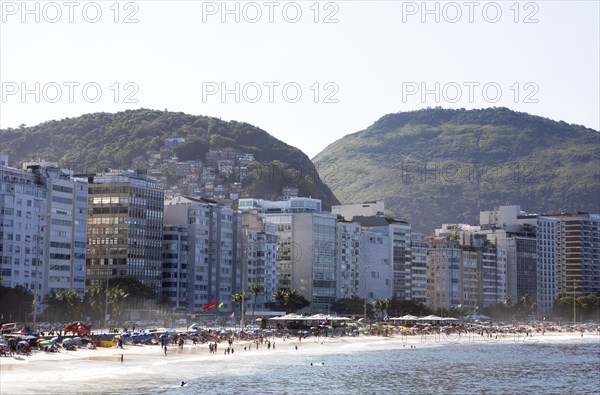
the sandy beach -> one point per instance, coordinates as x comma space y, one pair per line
146, 366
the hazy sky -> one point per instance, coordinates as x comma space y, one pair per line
306, 72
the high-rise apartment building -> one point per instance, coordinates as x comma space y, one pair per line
349, 246
307, 255
375, 268
444, 274
418, 250
214, 262
43, 212
175, 262
23, 230
259, 260
568, 257
125, 228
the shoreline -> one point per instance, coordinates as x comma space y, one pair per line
146, 366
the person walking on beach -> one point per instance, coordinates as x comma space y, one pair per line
121, 358
165, 350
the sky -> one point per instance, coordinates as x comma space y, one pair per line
307, 72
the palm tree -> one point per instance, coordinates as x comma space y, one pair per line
94, 301
281, 296
380, 305
239, 297
73, 303
291, 299
255, 289
116, 297
55, 309
64, 305
525, 301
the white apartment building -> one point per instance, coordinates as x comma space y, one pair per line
306, 253
259, 255
375, 268
43, 218
214, 258
23, 231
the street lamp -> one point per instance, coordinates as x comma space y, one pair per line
574, 304
365, 294
106, 290
40, 216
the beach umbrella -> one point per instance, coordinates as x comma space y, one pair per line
41, 340
67, 341
54, 339
77, 339
163, 336
194, 335
183, 334
22, 343
46, 343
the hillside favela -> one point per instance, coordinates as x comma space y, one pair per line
436, 251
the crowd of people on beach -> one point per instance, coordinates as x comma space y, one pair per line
254, 338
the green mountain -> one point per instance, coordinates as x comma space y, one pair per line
437, 166
94, 141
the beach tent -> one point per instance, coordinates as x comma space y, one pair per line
431, 318
79, 328
289, 317
436, 318
8, 327
407, 317
26, 330
480, 317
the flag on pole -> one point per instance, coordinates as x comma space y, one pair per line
221, 304
209, 306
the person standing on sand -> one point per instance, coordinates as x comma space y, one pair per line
121, 358
165, 350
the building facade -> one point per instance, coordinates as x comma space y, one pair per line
125, 229
259, 254
307, 255
214, 259
175, 261
418, 250
23, 231
568, 257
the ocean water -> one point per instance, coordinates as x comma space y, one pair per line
528, 367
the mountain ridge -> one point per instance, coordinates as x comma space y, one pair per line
90, 142
443, 166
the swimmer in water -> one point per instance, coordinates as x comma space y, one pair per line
183, 383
